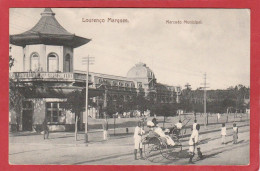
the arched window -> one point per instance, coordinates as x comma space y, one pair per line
53, 62
109, 98
122, 97
67, 63
35, 61
115, 97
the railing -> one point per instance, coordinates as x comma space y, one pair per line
49, 75
62, 76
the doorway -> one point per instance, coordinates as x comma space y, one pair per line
27, 116
27, 120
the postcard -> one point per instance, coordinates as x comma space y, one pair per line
162, 86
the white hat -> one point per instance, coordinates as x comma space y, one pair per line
150, 123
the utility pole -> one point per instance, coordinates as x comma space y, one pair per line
205, 97
188, 97
178, 93
86, 61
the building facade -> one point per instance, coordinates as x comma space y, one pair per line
48, 76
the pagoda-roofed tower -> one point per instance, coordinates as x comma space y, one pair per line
48, 58
48, 75
48, 47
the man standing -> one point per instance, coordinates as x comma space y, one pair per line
45, 129
105, 128
138, 140
235, 133
193, 142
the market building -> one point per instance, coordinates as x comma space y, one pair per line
48, 76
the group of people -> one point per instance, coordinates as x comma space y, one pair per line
156, 130
193, 140
224, 133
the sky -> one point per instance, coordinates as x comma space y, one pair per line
177, 53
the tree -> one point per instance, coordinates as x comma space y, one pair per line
15, 100
75, 103
15, 95
164, 109
11, 59
11, 62
110, 108
186, 103
120, 105
141, 103
240, 97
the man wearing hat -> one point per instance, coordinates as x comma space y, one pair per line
138, 140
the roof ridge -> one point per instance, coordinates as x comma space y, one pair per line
48, 11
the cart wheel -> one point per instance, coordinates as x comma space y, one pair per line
152, 149
173, 152
178, 144
164, 149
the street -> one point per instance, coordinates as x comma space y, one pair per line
61, 148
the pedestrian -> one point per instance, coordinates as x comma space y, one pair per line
45, 129
235, 133
218, 115
179, 127
193, 143
223, 133
105, 128
138, 140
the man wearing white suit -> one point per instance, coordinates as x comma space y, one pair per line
138, 140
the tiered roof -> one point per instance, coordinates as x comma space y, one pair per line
48, 31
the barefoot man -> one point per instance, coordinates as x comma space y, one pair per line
137, 140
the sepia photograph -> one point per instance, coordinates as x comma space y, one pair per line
129, 86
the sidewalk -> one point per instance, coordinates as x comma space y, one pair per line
68, 138
96, 136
